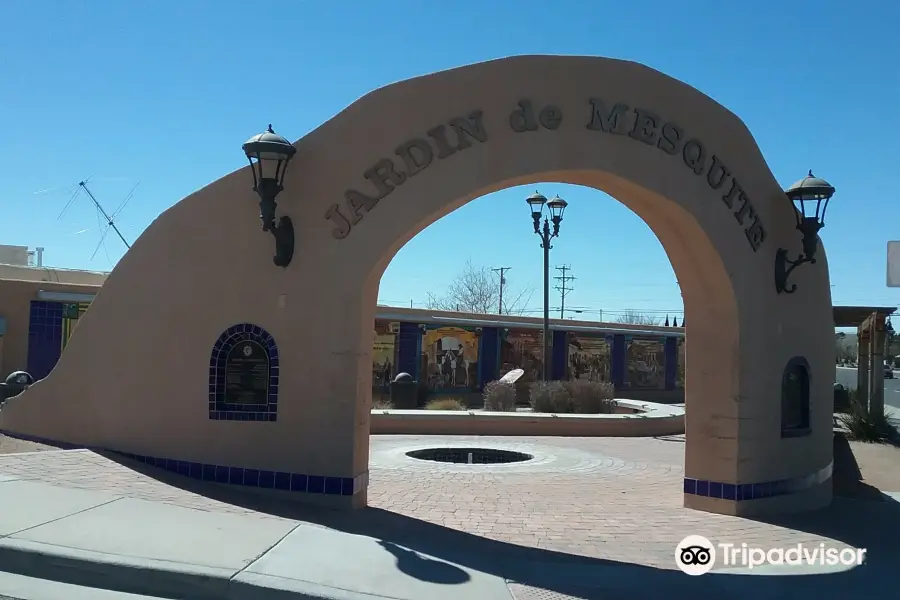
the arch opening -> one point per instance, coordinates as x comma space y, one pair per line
710, 302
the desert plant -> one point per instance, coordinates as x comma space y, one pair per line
549, 397
842, 398
591, 397
500, 396
863, 427
446, 403
382, 402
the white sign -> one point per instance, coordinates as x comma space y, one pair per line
893, 264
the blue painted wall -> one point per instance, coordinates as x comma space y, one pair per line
617, 361
45, 328
488, 356
671, 362
559, 355
409, 348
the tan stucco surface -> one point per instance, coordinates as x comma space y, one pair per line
144, 390
52, 275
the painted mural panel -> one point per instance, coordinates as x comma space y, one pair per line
384, 350
679, 373
450, 358
522, 349
590, 358
646, 362
72, 314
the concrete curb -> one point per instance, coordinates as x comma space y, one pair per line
146, 577
649, 419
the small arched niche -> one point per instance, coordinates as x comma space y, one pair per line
795, 420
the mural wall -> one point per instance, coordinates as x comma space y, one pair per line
679, 374
590, 358
71, 315
450, 359
646, 360
522, 349
384, 358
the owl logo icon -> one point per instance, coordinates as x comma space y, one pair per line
695, 555
247, 350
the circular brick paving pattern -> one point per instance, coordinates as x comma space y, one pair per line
612, 498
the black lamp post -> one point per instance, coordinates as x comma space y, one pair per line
272, 153
557, 207
802, 194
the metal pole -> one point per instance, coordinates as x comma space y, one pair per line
545, 238
105, 216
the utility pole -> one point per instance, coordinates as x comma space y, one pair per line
501, 271
563, 288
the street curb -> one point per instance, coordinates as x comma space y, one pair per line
145, 577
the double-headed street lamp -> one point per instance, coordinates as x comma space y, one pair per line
556, 208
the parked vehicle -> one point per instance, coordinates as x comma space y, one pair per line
888, 371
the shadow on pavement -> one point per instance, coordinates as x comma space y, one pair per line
860, 524
423, 568
847, 477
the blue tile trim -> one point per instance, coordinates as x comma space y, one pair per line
258, 478
289, 482
756, 491
218, 409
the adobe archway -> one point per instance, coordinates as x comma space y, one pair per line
367, 181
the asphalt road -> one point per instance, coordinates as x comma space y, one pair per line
847, 377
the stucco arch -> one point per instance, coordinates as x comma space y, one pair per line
145, 392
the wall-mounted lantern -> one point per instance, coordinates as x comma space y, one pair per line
269, 155
801, 196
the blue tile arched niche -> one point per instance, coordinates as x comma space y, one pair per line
221, 410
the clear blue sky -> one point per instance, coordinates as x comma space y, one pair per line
163, 93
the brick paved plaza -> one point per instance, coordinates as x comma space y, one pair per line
609, 498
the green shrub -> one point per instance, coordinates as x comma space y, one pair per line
549, 397
863, 427
591, 397
446, 403
500, 396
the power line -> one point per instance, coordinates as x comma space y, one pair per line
563, 288
502, 271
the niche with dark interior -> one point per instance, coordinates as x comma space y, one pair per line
795, 398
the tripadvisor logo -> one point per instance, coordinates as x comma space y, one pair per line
696, 555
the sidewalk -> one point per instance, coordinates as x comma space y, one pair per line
126, 544
113, 540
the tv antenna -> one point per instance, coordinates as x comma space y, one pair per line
109, 218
